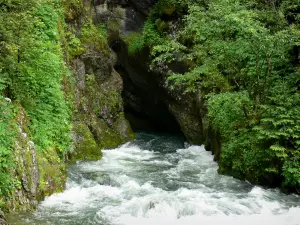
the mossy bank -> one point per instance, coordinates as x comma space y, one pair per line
60, 97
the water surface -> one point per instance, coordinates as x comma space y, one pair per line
157, 180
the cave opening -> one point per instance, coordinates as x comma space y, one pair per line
145, 103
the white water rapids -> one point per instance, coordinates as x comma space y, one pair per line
157, 181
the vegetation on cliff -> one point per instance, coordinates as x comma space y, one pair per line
243, 59
32, 71
49, 50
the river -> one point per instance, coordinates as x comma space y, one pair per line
159, 180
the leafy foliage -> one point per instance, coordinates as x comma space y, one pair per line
7, 133
92, 35
243, 57
32, 71
228, 110
135, 43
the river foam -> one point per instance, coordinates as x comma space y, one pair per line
137, 185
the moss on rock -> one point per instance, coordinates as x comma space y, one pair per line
52, 173
98, 119
37, 174
72, 9
123, 127
85, 146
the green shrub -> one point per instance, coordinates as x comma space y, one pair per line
243, 57
8, 132
94, 35
135, 43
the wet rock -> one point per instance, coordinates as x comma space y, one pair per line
85, 146
151, 205
148, 98
98, 119
98, 122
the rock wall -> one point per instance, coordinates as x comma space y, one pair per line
135, 12
36, 174
146, 95
99, 121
